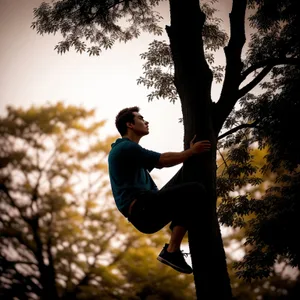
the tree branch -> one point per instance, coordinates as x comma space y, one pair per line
10, 234
233, 130
224, 161
24, 280
254, 82
15, 262
269, 62
4, 188
92, 18
116, 3
234, 63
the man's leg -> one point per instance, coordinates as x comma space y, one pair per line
178, 232
177, 204
181, 202
177, 236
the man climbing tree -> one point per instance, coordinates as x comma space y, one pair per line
136, 194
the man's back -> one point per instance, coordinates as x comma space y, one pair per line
129, 167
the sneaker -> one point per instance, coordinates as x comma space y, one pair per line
174, 260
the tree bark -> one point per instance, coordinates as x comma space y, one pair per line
234, 66
47, 273
193, 79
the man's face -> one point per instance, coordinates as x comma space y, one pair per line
140, 126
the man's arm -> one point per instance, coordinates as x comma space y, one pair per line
170, 159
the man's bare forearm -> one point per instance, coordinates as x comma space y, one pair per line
170, 159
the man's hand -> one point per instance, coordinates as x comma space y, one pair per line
199, 147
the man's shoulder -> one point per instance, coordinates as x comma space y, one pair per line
123, 148
125, 144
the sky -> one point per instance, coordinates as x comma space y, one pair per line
32, 72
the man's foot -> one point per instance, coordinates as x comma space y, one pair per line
174, 260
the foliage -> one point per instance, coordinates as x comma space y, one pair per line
238, 207
276, 36
95, 25
159, 66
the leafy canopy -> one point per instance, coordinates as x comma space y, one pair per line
91, 26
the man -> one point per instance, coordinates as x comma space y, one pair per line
136, 195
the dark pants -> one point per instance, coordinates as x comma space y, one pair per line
176, 202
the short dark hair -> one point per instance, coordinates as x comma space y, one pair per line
124, 116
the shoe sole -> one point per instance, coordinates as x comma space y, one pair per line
166, 262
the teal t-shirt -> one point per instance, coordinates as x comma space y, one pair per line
129, 165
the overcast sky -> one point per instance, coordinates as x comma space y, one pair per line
33, 73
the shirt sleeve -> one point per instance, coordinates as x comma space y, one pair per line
142, 157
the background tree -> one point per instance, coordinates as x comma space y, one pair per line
192, 31
61, 237
45, 239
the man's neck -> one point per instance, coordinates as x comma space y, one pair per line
132, 137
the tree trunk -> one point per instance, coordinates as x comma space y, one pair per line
49, 291
47, 273
193, 80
